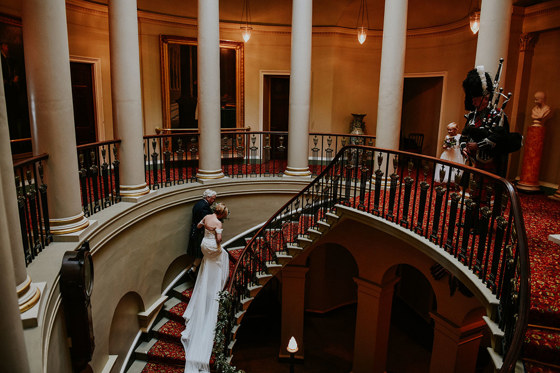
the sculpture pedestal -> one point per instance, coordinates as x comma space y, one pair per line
534, 141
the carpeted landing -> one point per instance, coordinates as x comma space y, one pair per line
161, 349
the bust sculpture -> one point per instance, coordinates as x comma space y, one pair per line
541, 111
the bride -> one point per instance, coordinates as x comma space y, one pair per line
202, 312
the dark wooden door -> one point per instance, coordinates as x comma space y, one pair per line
277, 101
84, 104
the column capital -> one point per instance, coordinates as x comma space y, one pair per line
527, 41
372, 288
446, 327
293, 271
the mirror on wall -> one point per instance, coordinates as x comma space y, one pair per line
179, 83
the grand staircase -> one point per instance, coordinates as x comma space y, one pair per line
480, 225
160, 349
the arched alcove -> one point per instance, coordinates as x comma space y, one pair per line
173, 270
411, 331
124, 326
330, 278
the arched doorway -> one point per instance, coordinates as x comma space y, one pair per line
411, 331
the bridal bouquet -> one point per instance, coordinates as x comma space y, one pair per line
449, 142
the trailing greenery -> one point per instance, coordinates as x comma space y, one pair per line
223, 327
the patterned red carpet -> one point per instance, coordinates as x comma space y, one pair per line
542, 340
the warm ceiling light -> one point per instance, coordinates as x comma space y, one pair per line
475, 21
246, 33
246, 19
292, 346
362, 27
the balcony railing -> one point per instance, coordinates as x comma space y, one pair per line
98, 166
32, 206
172, 158
473, 216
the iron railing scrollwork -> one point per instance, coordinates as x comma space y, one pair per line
473, 215
171, 158
32, 206
98, 170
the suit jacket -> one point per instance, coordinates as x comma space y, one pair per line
199, 211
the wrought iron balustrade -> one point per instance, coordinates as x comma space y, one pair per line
172, 158
98, 168
32, 206
472, 215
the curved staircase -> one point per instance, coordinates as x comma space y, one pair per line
480, 226
160, 349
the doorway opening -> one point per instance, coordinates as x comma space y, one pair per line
83, 98
420, 118
276, 103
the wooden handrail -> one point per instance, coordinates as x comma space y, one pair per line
160, 130
98, 143
25, 162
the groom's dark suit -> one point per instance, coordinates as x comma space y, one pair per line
199, 211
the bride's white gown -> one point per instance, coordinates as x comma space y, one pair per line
202, 312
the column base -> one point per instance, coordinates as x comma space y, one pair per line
28, 295
134, 190
209, 174
528, 187
68, 225
297, 172
30, 317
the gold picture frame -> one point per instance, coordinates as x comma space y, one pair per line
179, 83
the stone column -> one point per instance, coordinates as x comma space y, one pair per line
49, 89
455, 348
27, 292
14, 281
127, 96
493, 36
300, 89
391, 77
209, 119
373, 319
293, 302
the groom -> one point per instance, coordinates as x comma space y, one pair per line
199, 211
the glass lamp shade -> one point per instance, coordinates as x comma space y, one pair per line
246, 32
362, 34
475, 22
292, 346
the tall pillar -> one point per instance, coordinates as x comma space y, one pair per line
127, 96
373, 319
391, 77
28, 293
293, 303
493, 36
12, 266
49, 89
209, 119
455, 348
300, 89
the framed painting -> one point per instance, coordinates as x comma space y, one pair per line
179, 83
15, 88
